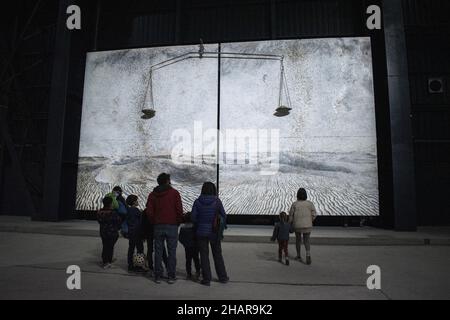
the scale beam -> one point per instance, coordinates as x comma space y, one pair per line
281, 111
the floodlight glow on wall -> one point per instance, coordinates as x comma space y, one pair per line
149, 111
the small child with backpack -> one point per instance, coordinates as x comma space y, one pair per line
188, 239
119, 205
281, 233
110, 222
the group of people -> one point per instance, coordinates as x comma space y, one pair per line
201, 229
159, 225
300, 221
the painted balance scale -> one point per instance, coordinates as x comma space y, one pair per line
149, 111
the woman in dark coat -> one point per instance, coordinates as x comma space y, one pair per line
204, 212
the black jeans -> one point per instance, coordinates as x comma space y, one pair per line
108, 248
192, 254
219, 264
134, 242
150, 249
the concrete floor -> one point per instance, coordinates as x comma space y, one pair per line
32, 266
366, 236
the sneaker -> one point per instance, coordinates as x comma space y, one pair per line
157, 280
139, 270
287, 262
226, 280
107, 266
308, 260
171, 280
205, 283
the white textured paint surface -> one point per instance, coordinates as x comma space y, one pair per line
331, 88
116, 88
328, 142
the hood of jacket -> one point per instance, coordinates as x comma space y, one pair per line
161, 191
207, 200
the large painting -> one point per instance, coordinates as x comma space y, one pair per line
119, 147
291, 113
326, 143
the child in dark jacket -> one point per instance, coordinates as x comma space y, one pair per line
134, 217
110, 222
281, 233
188, 239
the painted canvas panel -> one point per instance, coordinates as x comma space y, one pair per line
293, 113
118, 147
326, 143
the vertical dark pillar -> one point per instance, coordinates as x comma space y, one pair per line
57, 109
177, 37
2, 155
219, 75
405, 216
19, 179
97, 23
273, 19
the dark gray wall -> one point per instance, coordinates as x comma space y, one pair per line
27, 30
149, 23
427, 28
400, 117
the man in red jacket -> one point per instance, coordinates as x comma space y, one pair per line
165, 212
